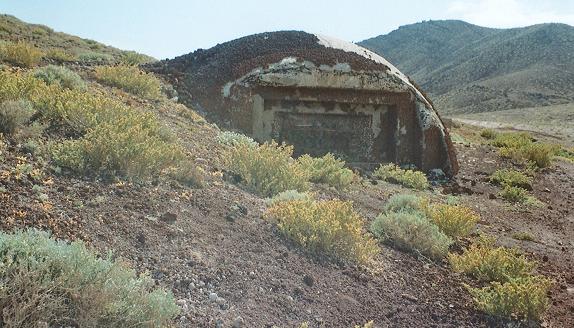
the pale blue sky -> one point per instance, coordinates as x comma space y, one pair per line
170, 28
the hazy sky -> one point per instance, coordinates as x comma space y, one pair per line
173, 27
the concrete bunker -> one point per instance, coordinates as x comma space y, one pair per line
317, 93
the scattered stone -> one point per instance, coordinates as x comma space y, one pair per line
236, 211
308, 280
238, 322
491, 196
168, 217
212, 297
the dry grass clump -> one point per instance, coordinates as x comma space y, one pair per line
134, 58
20, 53
14, 115
488, 134
130, 79
408, 178
328, 170
267, 169
330, 227
60, 56
53, 283
289, 195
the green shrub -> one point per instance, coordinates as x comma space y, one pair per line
52, 283
408, 178
231, 138
133, 58
520, 298
404, 203
411, 231
20, 54
488, 134
453, 220
521, 147
485, 262
289, 195
14, 115
130, 79
523, 236
60, 75
328, 170
123, 148
90, 57
326, 227
267, 169
515, 194
509, 177
60, 56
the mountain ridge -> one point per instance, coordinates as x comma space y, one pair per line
468, 68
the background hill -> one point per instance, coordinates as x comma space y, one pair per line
469, 69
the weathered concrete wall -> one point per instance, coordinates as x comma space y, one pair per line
315, 92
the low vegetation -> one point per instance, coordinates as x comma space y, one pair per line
404, 203
510, 177
513, 290
485, 262
328, 170
515, 194
53, 283
14, 115
408, 178
488, 134
330, 228
135, 58
267, 169
60, 56
455, 221
411, 231
60, 75
20, 53
523, 147
130, 79
520, 298
289, 195
114, 139
230, 138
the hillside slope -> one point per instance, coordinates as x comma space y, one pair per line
468, 68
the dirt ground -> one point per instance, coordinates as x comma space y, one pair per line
227, 265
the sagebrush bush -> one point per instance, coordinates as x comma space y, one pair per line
231, 138
512, 139
485, 262
328, 170
408, 178
510, 177
120, 148
453, 220
52, 283
14, 115
488, 134
267, 169
519, 298
20, 53
411, 231
288, 196
515, 194
404, 202
60, 75
130, 79
328, 227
